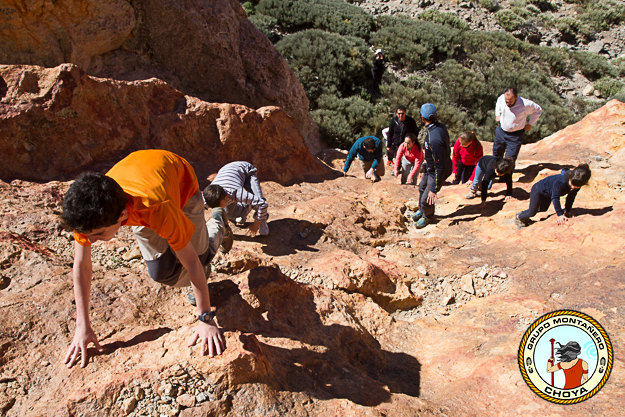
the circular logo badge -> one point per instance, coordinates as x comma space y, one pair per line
565, 357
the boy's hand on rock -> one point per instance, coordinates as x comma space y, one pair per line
561, 219
82, 339
211, 340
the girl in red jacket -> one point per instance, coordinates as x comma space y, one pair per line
467, 151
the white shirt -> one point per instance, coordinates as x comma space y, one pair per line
514, 118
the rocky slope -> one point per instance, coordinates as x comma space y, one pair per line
345, 309
58, 121
207, 50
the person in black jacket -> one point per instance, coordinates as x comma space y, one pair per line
550, 189
488, 169
377, 70
437, 165
397, 129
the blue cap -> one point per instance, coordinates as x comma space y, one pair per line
428, 110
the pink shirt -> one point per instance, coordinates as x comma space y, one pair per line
414, 156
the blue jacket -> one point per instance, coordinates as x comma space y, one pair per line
359, 150
437, 154
554, 187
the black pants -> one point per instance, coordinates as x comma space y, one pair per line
538, 202
427, 184
463, 173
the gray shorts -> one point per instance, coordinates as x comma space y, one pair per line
162, 263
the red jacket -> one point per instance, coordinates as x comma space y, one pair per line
469, 155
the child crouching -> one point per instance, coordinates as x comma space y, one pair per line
544, 192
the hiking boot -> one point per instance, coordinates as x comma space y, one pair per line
472, 194
263, 230
417, 215
423, 221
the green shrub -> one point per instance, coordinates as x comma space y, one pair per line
267, 25
593, 66
609, 87
544, 5
329, 15
326, 63
509, 20
490, 5
619, 65
449, 19
602, 14
414, 44
570, 28
248, 7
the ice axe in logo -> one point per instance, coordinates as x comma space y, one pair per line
552, 359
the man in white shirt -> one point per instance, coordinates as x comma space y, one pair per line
512, 113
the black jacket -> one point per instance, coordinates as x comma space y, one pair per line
397, 133
437, 153
487, 165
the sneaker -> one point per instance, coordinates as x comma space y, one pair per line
423, 221
240, 220
388, 163
263, 230
392, 173
472, 194
417, 215
519, 223
375, 178
191, 298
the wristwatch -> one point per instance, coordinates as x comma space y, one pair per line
206, 317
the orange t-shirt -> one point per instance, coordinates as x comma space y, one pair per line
157, 184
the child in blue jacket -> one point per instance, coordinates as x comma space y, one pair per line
544, 192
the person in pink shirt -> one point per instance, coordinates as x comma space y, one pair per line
409, 157
467, 152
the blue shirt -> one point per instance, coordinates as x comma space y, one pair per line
358, 149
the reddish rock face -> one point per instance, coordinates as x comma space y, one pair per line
345, 309
205, 49
60, 121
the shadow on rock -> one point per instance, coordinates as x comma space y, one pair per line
287, 237
531, 171
338, 360
580, 211
146, 336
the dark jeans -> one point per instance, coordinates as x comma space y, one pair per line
463, 173
391, 152
427, 184
538, 202
507, 142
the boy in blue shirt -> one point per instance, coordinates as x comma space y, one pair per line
550, 189
369, 152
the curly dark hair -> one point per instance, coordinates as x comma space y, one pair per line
213, 194
92, 201
580, 175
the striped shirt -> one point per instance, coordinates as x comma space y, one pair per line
240, 182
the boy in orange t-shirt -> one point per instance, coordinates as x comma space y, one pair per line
157, 193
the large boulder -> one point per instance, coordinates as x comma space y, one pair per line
55, 122
206, 49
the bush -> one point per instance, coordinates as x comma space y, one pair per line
593, 66
414, 44
330, 15
508, 20
449, 19
267, 25
490, 5
544, 5
248, 7
609, 87
326, 63
602, 14
570, 28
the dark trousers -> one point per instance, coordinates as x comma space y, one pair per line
507, 142
538, 202
427, 184
391, 152
463, 173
